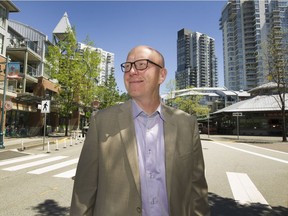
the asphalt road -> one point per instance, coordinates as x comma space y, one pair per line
243, 179
28, 189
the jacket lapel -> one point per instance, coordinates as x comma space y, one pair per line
127, 132
170, 131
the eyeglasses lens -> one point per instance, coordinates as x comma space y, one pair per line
139, 65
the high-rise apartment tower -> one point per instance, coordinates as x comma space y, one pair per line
245, 26
196, 60
106, 66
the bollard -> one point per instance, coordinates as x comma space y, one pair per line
48, 147
57, 146
65, 144
70, 141
22, 145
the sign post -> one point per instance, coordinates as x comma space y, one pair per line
237, 114
208, 124
45, 108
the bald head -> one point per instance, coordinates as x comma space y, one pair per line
152, 50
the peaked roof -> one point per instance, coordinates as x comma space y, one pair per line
63, 24
61, 28
269, 85
255, 104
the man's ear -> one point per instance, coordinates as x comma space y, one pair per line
162, 74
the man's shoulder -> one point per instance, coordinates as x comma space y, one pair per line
120, 107
174, 111
175, 115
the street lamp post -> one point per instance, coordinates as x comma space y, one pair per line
3, 106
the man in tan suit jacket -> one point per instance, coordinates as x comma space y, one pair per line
107, 181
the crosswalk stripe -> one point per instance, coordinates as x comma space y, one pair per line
35, 163
243, 189
21, 159
68, 174
54, 167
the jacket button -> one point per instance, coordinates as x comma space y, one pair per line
138, 209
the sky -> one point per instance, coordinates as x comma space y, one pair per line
118, 26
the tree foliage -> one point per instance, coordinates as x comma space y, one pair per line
76, 72
90, 69
124, 97
190, 104
108, 94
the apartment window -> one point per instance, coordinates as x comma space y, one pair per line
3, 16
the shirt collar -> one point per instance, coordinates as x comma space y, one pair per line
137, 110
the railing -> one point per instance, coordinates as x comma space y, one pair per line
20, 43
32, 71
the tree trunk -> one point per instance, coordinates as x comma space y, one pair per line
66, 125
284, 135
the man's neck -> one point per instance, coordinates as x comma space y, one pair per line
148, 106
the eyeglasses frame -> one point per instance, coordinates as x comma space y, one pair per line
133, 63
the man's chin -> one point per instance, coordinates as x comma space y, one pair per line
134, 94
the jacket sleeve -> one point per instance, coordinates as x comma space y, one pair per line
199, 184
185, 165
85, 182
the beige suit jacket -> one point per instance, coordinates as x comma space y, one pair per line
107, 181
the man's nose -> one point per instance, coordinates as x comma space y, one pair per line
133, 69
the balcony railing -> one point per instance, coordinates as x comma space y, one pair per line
20, 43
32, 71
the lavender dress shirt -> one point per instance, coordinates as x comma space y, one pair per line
151, 156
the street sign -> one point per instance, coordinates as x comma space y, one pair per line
237, 114
45, 106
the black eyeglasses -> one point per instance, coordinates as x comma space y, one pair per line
140, 64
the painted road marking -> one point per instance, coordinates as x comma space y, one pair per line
253, 153
68, 174
54, 167
35, 163
243, 189
263, 148
21, 159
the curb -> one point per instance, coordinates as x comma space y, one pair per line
34, 144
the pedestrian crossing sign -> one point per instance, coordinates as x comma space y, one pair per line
45, 106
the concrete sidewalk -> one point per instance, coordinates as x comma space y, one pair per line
30, 142
261, 141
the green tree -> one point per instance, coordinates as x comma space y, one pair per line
275, 56
76, 72
108, 93
191, 105
89, 67
124, 97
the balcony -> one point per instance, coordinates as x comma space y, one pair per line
17, 49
